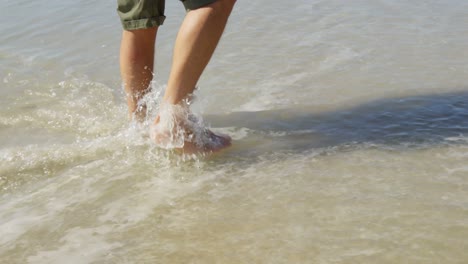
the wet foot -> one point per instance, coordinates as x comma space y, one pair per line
211, 143
181, 131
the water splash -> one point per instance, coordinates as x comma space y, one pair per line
177, 126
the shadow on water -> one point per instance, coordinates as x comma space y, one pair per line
417, 121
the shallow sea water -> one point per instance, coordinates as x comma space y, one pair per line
350, 128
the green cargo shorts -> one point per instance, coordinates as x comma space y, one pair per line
139, 14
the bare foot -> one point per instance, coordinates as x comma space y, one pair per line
176, 128
211, 143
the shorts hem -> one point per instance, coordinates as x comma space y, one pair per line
143, 23
194, 4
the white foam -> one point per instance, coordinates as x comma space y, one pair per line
79, 245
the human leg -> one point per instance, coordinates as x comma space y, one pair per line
136, 66
140, 20
196, 41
